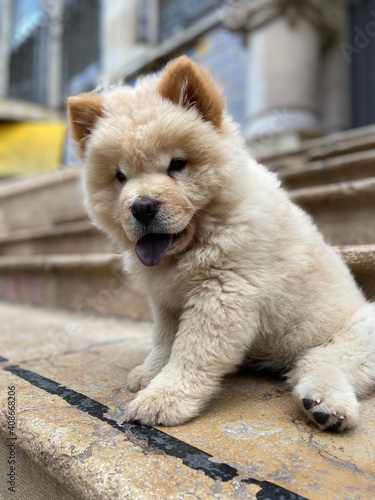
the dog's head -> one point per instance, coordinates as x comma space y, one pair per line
154, 157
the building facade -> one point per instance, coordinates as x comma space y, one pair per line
290, 69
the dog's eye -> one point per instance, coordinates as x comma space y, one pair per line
176, 165
120, 176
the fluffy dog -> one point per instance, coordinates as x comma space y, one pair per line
234, 270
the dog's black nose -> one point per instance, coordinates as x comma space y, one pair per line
144, 210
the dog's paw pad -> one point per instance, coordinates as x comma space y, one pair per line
335, 427
327, 420
320, 417
331, 408
309, 403
331, 415
334, 414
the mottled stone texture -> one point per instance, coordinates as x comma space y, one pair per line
73, 438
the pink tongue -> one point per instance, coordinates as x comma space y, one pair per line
152, 248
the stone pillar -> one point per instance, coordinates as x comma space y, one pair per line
54, 10
5, 32
335, 72
119, 38
284, 40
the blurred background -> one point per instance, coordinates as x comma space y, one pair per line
298, 76
290, 69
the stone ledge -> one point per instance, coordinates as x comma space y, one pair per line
250, 442
34, 182
65, 238
96, 282
99, 262
355, 144
351, 189
20, 110
67, 228
359, 257
338, 143
93, 283
361, 260
353, 255
342, 142
41, 202
352, 166
343, 212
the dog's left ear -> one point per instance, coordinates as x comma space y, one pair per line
83, 112
185, 83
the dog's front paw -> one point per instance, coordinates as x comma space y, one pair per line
139, 378
161, 406
330, 408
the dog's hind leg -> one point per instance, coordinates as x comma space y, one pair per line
328, 380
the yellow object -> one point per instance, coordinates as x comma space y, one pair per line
30, 146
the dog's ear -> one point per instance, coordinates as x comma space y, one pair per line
83, 111
185, 83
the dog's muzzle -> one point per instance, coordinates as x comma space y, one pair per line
144, 210
154, 243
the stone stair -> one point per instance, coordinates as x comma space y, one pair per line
64, 238
322, 148
343, 168
68, 358
51, 254
67, 373
333, 179
94, 283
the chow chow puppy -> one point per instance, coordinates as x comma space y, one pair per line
234, 270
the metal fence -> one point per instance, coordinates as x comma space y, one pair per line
175, 15
29, 64
31, 42
81, 45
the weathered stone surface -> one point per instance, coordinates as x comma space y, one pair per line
41, 202
353, 166
68, 238
93, 283
32, 481
318, 148
98, 285
361, 260
70, 401
344, 212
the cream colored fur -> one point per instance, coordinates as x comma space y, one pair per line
250, 277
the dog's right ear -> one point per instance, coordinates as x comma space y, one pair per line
83, 112
186, 84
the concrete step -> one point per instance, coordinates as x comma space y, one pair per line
66, 238
68, 374
361, 260
335, 144
353, 166
96, 283
41, 202
341, 143
344, 212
